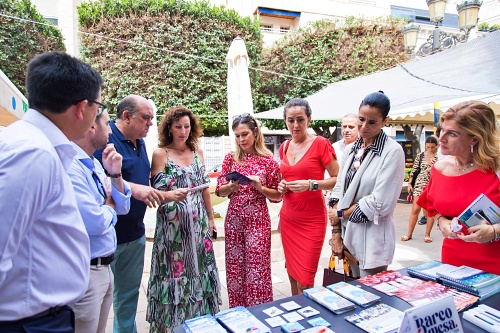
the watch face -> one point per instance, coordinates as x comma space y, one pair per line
315, 186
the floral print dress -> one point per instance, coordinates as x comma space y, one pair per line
184, 281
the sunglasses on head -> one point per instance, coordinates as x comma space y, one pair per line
243, 115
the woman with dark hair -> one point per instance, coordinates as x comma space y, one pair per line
424, 162
303, 216
471, 140
247, 226
184, 280
370, 182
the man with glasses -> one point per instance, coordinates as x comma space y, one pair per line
133, 118
44, 247
99, 201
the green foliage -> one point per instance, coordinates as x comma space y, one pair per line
166, 74
407, 173
326, 52
21, 40
486, 27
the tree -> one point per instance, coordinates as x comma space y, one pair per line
21, 40
327, 52
162, 49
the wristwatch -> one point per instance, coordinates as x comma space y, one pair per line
315, 185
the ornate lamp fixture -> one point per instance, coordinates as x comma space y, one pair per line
440, 40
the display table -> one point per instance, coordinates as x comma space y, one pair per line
339, 324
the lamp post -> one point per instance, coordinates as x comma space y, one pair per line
440, 40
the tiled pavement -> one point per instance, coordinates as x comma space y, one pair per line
407, 253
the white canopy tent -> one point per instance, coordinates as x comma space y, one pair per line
469, 70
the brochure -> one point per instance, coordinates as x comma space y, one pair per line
318, 321
486, 208
329, 299
235, 175
240, 320
203, 324
428, 270
355, 294
485, 317
380, 318
317, 329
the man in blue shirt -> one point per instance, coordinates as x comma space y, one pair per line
44, 247
99, 202
133, 118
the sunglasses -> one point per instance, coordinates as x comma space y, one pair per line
101, 107
243, 115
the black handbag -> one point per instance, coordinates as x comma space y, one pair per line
330, 276
417, 171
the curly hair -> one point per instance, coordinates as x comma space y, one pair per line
173, 114
478, 120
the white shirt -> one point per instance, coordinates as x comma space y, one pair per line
44, 247
339, 147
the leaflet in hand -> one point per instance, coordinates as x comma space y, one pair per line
235, 175
480, 211
200, 187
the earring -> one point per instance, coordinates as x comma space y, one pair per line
169, 134
472, 148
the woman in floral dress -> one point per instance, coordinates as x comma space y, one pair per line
184, 280
248, 225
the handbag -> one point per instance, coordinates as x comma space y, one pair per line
417, 171
409, 198
330, 276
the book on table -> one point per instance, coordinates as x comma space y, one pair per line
481, 211
472, 280
240, 320
380, 318
355, 294
203, 324
330, 300
428, 270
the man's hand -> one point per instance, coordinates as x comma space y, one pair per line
111, 159
148, 195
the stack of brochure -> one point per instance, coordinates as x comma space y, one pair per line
471, 280
203, 324
329, 299
485, 317
240, 320
354, 294
480, 211
428, 270
380, 318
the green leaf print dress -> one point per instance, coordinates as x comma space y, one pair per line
184, 281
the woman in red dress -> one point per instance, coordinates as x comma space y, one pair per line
247, 225
471, 139
303, 216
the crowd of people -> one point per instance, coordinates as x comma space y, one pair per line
73, 244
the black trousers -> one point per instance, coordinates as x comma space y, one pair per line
59, 319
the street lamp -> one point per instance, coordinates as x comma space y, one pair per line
440, 40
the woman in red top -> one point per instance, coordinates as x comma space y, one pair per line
471, 139
247, 225
303, 217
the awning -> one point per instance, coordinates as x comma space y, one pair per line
263, 11
468, 70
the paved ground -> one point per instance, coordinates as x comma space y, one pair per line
407, 253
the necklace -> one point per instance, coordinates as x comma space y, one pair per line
467, 166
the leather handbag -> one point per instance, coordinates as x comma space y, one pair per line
330, 276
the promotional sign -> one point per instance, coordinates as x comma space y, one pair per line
441, 316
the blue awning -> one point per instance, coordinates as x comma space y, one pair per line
277, 13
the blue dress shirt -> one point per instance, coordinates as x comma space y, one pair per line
99, 219
44, 247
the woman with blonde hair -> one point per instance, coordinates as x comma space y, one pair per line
247, 225
471, 140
